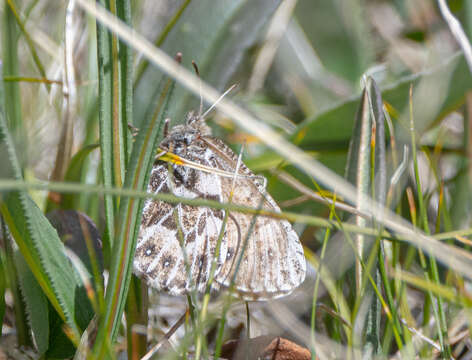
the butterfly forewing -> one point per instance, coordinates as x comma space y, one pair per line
262, 255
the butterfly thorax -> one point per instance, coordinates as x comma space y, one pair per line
182, 137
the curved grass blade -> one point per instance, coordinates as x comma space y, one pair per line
38, 242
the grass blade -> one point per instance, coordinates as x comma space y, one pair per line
36, 304
39, 243
107, 124
138, 171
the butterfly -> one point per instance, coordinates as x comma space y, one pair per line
262, 255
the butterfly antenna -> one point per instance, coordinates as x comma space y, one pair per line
200, 83
231, 88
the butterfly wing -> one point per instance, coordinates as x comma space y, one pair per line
261, 255
264, 256
160, 258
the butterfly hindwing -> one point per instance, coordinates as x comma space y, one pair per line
273, 263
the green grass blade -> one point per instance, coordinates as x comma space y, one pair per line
36, 304
39, 243
10, 68
358, 170
19, 308
125, 58
432, 272
29, 41
106, 121
137, 177
3, 286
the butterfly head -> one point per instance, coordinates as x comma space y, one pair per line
182, 136
197, 122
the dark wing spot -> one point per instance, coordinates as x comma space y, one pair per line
155, 213
164, 188
146, 251
192, 179
189, 216
229, 253
157, 178
191, 237
170, 223
212, 197
167, 261
202, 261
218, 213
180, 284
179, 175
202, 223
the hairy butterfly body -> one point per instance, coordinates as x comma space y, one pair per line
271, 263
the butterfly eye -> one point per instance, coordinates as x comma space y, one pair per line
188, 140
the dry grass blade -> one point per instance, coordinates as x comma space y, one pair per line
453, 257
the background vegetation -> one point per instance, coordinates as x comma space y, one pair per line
377, 92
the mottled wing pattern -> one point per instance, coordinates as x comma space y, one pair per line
160, 258
272, 263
